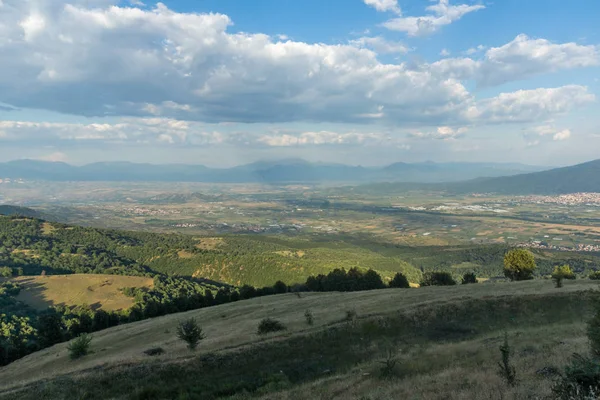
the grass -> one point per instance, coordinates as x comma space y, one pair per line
101, 291
449, 338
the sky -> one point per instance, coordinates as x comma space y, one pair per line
360, 82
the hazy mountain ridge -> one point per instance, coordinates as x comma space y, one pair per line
291, 170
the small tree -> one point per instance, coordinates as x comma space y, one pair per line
6, 272
595, 275
190, 332
80, 346
507, 370
399, 281
560, 273
469, 278
438, 279
519, 265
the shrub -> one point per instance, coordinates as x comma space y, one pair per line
507, 370
309, 317
80, 346
519, 265
268, 325
593, 332
560, 273
469, 278
190, 332
437, 279
595, 276
580, 380
399, 281
156, 351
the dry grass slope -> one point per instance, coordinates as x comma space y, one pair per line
102, 291
463, 368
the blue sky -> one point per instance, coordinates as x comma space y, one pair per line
225, 82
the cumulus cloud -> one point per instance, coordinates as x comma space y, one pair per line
441, 14
520, 59
96, 58
445, 53
530, 105
384, 5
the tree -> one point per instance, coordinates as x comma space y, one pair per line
280, 287
519, 265
469, 278
560, 273
372, 280
50, 328
399, 281
190, 332
438, 279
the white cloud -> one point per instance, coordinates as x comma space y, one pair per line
95, 58
384, 5
530, 105
441, 14
544, 133
562, 135
442, 133
380, 45
525, 57
445, 53
520, 59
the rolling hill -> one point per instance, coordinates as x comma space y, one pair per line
271, 172
445, 340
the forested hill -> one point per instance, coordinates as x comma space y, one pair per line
6, 209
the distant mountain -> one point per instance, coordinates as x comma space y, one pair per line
577, 178
273, 172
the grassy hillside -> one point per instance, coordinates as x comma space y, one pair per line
445, 338
96, 291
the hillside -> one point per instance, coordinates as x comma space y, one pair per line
9, 210
577, 178
271, 172
457, 342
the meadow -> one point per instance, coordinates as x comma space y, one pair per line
445, 341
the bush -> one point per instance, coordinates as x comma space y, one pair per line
399, 281
560, 273
350, 315
580, 380
156, 351
268, 325
438, 279
80, 346
595, 276
309, 317
469, 278
519, 265
190, 332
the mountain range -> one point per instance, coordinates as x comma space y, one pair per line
288, 170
